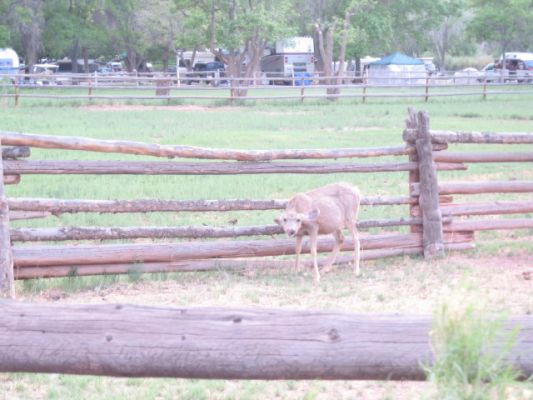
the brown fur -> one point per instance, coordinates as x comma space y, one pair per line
326, 210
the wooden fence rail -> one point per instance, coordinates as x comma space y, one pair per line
435, 221
214, 343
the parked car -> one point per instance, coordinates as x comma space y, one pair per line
43, 74
207, 70
516, 69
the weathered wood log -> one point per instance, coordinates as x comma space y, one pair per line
161, 232
432, 235
140, 148
11, 179
214, 343
489, 225
12, 167
7, 284
21, 215
15, 152
481, 157
55, 271
414, 175
437, 136
60, 206
487, 208
480, 187
170, 252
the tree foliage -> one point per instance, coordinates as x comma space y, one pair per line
237, 31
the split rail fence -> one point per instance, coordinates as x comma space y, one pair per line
126, 340
435, 221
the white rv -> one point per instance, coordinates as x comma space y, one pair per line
292, 57
9, 61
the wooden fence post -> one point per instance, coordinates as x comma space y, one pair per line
7, 284
16, 93
427, 90
485, 88
414, 176
432, 230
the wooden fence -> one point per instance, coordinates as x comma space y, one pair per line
159, 86
434, 219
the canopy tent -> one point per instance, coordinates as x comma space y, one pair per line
397, 69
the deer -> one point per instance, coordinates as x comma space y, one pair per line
325, 210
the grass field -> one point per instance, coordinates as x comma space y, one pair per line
496, 271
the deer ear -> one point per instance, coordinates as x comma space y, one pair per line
277, 220
313, 215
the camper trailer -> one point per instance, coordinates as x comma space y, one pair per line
9, 61
291, 57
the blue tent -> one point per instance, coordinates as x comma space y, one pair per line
397, 69
398, 59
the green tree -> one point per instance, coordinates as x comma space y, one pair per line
237, 32
506, 23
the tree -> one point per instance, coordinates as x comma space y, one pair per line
503, 22
449, 29
26, 18
333, 32
238, 31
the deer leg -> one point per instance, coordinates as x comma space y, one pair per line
357, 246
339, 239
313, 236
299, 240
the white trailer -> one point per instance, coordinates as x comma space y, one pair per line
292, 57
9, 61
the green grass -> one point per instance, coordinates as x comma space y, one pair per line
467, 367
404, 285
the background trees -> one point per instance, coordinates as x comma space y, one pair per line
238, 31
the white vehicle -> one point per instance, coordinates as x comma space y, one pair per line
43, 74
9, 61
518, 67
293, 57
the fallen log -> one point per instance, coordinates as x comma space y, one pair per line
55, 271
157, 150
446, 188
170, 252
61, 206
215, 343
437, 136
13, 167
489, 224
488, 208
160, 232
15, 152
465, 157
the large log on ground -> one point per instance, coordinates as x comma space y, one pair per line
465, 157
60, 206
162, 232
216, 343
54, 271
409, 135
169, 252
140, 148
14, 167
479, 187
15, 152
489, 225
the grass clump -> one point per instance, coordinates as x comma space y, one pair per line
471, 348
